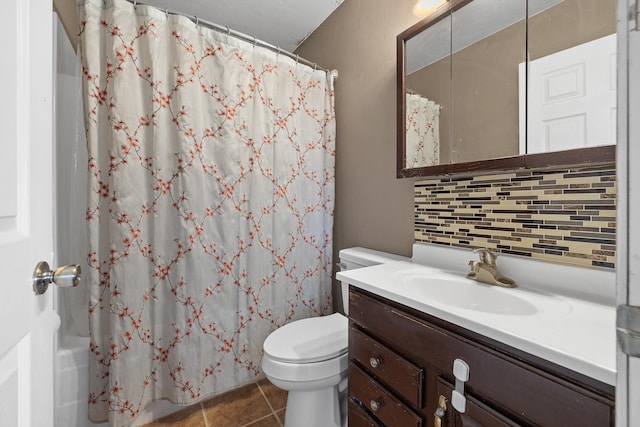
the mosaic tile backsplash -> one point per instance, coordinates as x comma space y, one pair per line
566, 216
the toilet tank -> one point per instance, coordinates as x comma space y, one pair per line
358, 257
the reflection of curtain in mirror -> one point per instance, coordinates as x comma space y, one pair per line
423, 131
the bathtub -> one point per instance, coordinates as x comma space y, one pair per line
72, 383
72, 388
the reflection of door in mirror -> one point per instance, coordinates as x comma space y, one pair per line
571, 98
571, 90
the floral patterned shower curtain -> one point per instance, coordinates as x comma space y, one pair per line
423, 131
211, 165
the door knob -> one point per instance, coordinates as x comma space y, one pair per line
65, 276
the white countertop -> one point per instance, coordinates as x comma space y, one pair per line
571, 331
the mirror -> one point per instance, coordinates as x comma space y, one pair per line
469, 101
428, 105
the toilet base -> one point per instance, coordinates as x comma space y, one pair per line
317, 408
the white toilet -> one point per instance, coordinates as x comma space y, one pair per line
308, 357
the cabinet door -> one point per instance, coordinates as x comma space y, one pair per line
476, 415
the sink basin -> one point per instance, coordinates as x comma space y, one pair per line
457, 291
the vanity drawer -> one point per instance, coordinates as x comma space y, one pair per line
358, 416
384, 406
399, 374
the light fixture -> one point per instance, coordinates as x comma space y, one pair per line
427, 7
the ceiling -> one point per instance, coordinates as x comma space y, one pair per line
282, 23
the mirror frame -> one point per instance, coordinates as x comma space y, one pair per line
574, 157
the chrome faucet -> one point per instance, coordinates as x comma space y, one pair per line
486, 271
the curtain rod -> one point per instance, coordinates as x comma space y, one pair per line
241, 36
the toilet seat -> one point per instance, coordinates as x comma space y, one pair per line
309, 340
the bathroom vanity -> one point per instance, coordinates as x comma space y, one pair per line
543, 364
401, 363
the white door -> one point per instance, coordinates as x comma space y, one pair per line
628, 273
27, 322
572, 98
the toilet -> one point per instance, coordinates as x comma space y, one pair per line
309, 359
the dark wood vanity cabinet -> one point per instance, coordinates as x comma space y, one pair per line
401, 363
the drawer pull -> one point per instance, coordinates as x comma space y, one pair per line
375, 405
441, 410
374, 362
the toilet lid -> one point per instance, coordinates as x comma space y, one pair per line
309, 340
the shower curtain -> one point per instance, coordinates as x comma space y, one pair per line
210, 212
422, 131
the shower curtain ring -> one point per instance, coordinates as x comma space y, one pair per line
135, 4
254, 41
166, 12
197, 21
297, 58
315, 66
228, 31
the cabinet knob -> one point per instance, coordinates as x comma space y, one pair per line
374, 405
374, 362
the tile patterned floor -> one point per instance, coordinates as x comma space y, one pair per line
256, 405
